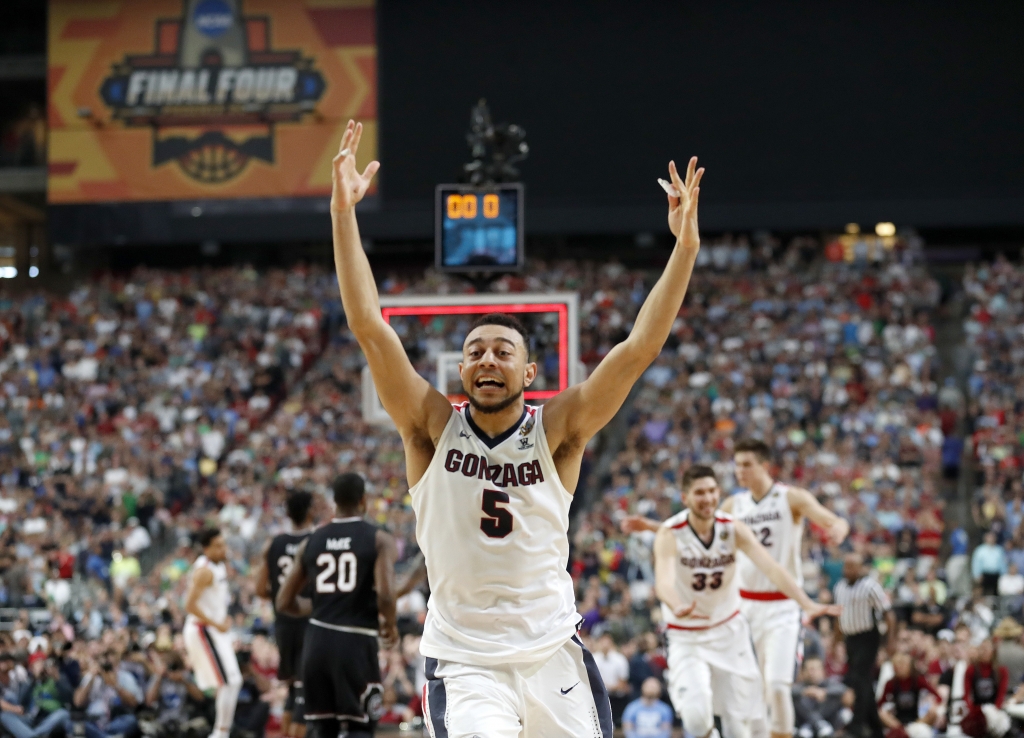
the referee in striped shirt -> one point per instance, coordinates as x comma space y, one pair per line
864, 602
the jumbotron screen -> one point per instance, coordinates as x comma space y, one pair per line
479, 229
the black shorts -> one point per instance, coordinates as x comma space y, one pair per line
289, 634
341, 676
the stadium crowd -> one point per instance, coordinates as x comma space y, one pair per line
137, 410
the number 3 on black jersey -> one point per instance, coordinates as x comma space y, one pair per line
344, 564
498, 524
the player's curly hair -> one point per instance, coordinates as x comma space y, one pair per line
349, 489
297, 505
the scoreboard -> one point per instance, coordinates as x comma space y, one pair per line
479, 229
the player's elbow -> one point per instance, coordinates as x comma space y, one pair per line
642, 352
366, 326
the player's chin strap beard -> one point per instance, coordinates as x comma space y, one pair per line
490, 409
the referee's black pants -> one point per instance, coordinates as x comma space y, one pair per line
861, 652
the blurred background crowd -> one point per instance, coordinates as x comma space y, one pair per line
139, 408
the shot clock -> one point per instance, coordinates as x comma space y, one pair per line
479, 229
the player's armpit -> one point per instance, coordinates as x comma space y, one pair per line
577, 414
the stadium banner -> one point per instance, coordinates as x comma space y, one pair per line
155, 100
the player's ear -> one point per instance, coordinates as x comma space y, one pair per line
530, 374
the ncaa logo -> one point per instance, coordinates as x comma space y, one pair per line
213, 17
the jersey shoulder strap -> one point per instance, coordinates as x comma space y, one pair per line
677, 521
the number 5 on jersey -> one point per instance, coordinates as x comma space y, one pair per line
345, 566
498, 522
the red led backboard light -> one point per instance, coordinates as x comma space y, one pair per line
559, 308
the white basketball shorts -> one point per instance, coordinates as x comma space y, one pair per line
714, 672
212, 655
562, 697
775, 628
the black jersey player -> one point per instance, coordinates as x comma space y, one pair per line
289, 632
351, 564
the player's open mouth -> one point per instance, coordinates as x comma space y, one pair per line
489, 383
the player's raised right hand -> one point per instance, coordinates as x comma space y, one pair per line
682, 210
348, 185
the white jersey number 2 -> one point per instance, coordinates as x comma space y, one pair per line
344, 565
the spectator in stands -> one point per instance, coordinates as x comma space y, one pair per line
988, 563
109, 695
252, 710
957, 577
614, 668
928, 614
977, 615
170, 688
985, 680
648, 716
1011, 588
1009, 650
822, 704
41, 705
900, 706
137, 538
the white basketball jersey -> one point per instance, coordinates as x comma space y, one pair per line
705, 572
771, 520
214, 600
492, 519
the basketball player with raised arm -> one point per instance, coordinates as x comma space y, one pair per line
289, 632
776, 513
351, 565
207, 631
712, 669
491, 485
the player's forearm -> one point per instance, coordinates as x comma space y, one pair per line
659, 311
191, 608
386, 607
359, 295
888, 719
665, 588
786, 584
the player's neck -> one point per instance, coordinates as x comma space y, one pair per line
494, 424
702, 526
761, 487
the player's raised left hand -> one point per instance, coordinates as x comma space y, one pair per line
348, 185
682, 210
